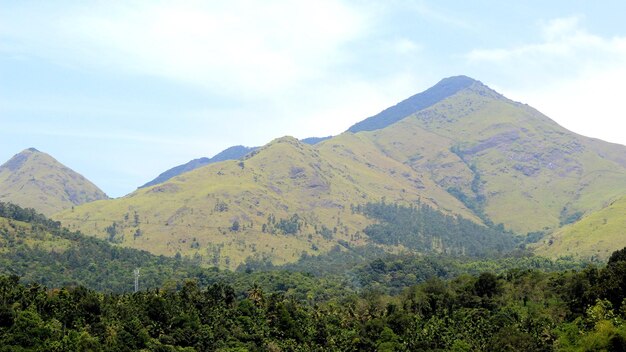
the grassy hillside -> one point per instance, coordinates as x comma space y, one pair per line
40, 250
595, 236
507, 160
445, 88
225, 212
473, 153
36, 180
232, 153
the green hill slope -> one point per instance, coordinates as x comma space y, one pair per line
40, 250
232, 153
595, 236
470, 152
445, 88
36, 180
285, 199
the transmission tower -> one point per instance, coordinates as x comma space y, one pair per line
136, 272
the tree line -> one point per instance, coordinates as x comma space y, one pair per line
520, 309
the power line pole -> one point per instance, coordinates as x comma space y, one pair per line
136, 272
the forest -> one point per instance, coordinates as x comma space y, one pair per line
484, 298
516, 310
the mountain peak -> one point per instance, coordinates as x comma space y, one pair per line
19, 159
35, 179
440, 91
460, 81
286, 139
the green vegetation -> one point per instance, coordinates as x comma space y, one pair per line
232, 153
461, 148
376, 301
506, 159
421, 101
288, 199
393, 274
594, 236
472, 153
322, 264
424, 229
475, 202
516, 310
40, 250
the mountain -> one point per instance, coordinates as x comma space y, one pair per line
459, 147
282, 200
36, 180
232, 153
505, 160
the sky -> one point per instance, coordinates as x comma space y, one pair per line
121, 91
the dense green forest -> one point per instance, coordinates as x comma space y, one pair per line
424, 229
517, 310
96, 264
66, 292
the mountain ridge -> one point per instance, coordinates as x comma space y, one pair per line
474, 153
231, 153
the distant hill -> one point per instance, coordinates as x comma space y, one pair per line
460, 148
36, 180
232, 153
314, 140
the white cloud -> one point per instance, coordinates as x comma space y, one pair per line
252, 48
444, 17
564, 42
406, 46
590, 104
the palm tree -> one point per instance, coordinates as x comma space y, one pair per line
255, 294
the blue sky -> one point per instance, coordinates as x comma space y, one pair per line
123, 90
